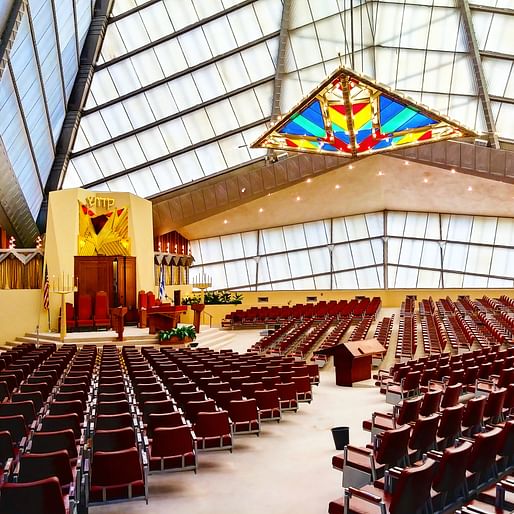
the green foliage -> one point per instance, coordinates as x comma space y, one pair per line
214, 298
181, 332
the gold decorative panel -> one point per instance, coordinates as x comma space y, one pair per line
103, 233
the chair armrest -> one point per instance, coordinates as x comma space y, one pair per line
361, 451
364, 495
507, 484
434, 454
24, 444
385, 415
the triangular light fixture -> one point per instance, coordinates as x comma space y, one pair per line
350, 115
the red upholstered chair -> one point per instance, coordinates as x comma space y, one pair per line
41, 496
71, 323
411, 493
7, 449
287, 396
101, 317
423, 436
150, 299
213, 431
38, 466
84, 312
173, 449
303, 388
47, 442
163, 420
449, 426
450, 479
114, 440
113, 421
268, 404
482, 461
119, 475
192, 409
52, 423
431, 402
225, 397
473, 416
244, 416
362, 466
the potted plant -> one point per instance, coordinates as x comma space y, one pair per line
178, 335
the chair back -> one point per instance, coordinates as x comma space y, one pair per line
392, 446
412, 491
41, 496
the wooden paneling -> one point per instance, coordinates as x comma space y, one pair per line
116, 275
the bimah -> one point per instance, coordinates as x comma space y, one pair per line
352, 360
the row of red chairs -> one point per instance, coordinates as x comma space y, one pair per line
89, 313
358, 307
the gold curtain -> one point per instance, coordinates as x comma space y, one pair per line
173, 275
16, 275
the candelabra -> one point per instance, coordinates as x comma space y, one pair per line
202, 282
64, 284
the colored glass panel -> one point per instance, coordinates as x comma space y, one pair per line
379, 121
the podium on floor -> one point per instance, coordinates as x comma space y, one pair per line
352, 360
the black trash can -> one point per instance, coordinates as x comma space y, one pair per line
341, 437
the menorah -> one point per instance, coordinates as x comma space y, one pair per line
63, 285
202, 282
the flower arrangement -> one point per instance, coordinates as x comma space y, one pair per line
214, 298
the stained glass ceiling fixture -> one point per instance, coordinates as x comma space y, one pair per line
350, 115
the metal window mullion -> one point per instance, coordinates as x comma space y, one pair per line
59, 55
25, 125
40, 76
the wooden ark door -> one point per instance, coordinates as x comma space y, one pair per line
116, 275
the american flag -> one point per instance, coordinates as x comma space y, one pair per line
46, 291
162, 289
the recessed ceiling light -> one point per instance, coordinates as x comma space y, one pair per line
269, 194
380, 173
309, 180
406, 163
225, 221
298, 198
338, 186
350, 167
261, 209
425, 180
452, 170
470, 188
243, 189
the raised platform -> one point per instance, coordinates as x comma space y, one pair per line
208, 337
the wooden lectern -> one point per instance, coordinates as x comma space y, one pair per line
352, 360
117, 320
163, 317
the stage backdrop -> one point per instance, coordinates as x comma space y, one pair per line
84, 222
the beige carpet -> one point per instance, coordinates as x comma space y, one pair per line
285, 470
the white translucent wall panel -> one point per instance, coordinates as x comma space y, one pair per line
67, 42
16, 143
26, 77
84, 10
272, 240
479, 259
44, 32
342, 257
505, 232
456, 228
455, 256
299, 263
370, 278
429, 279
237, 273
294, 236
356, 227
413, 262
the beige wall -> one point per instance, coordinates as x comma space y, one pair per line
19, 312
62, 231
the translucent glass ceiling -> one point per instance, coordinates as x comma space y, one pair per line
36, 86
184, 86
